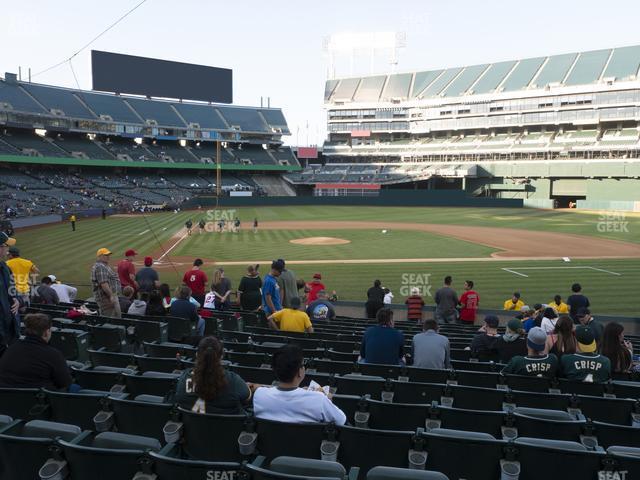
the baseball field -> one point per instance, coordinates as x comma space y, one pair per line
537, 252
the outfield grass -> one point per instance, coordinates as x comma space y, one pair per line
69, 255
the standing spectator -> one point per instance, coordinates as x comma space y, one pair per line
182, 307
288, 402
549, 319
45, 294
483, 342
515, 303
9, 303
155, 305
221, 287
66, 293
375, 299
126, 298
291, 319
196, 280
249, 295
559, 306
32, 362
446, 300
414, 305
536, 363
314, 287
576, 301
469, 301
614, 346
586, 365
512, 343
72, 219
383, 343
430, 349
321, 309
287, 284
104, 214
562, 340
105, 284
255, 225
139, 305
210, 299
147, 277
23, 272
584, 317
528, 318
388, 298
127, 270
271, 291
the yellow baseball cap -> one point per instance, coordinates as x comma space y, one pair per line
103, 251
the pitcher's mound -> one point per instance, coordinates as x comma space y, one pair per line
320, 241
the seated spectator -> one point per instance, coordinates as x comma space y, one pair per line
183, 307
549, 319
321, 309
583, 316
388, 297
483, 342
45, 294
165, 293
210, 388
147, 278
288, 402
291, 319
66, 293
31, 362
383, 343
614, 346
155, 306
126, 298
536, 363
414, 304
559, 306
176, 296
528, 318
515, 303
512, 343
139, 305
586, 365
430, 349
562, 340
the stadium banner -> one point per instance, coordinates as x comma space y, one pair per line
307, 152
240, 194
349, 186
360, 133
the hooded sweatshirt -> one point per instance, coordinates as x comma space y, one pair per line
138, 307
509, 345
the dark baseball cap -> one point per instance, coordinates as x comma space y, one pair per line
515, 325
582, 311
7, 240
277, 265
536, 339
586, 340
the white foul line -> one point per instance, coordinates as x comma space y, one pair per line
172, 247
514, 272
558, 267
605, 271
142, 233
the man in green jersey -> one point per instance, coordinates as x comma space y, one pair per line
586, 365
537, 363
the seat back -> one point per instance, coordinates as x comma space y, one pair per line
307, 466
472, 420
359, 385
607, 410
609, 435
541, 425
46, 429
157, 364
103, 358
426, 393
89, 378
170, 467
74, 408
212, 437
302, 439
113, 338
73, 344
150, 384
18, 402
397, 416
391, 473
140, 418
180, 328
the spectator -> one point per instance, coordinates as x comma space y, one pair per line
562, 340
430, 349
388, 298
45, 294
23, 272
585, 365
196, 280
139, 305
512, 343
528, 318
536, 363
414, 304
249, 295
383, 343
483, 342
9, 303
126, 298
321, 309
165, 293
583, 316
446, 301
66, 293
127, 270
221, 288
314, 287
210, 299
147, 277
271, 291
576, 301
549, 319
618, 350
291, 319
106, 286
287, 283
375, 299
183, 307
155, 305
176, 295
208, 387
469, 301
515, 303
31, 362
559, 306
288, 402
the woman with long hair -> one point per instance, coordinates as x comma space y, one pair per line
375, 299
618, 350
221, 287
155, 305
562, 340
165, 293
209, 387
249, 294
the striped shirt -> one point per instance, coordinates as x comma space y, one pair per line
414, 307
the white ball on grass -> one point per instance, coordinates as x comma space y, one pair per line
384, 231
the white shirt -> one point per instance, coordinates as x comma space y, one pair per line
65, 293
210, 300
295, 406
548, 325
387, 298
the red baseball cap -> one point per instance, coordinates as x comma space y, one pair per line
318, 276
130, 253
148, 261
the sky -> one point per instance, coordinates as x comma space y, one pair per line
276, 48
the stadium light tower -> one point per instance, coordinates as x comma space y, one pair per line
354, 45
